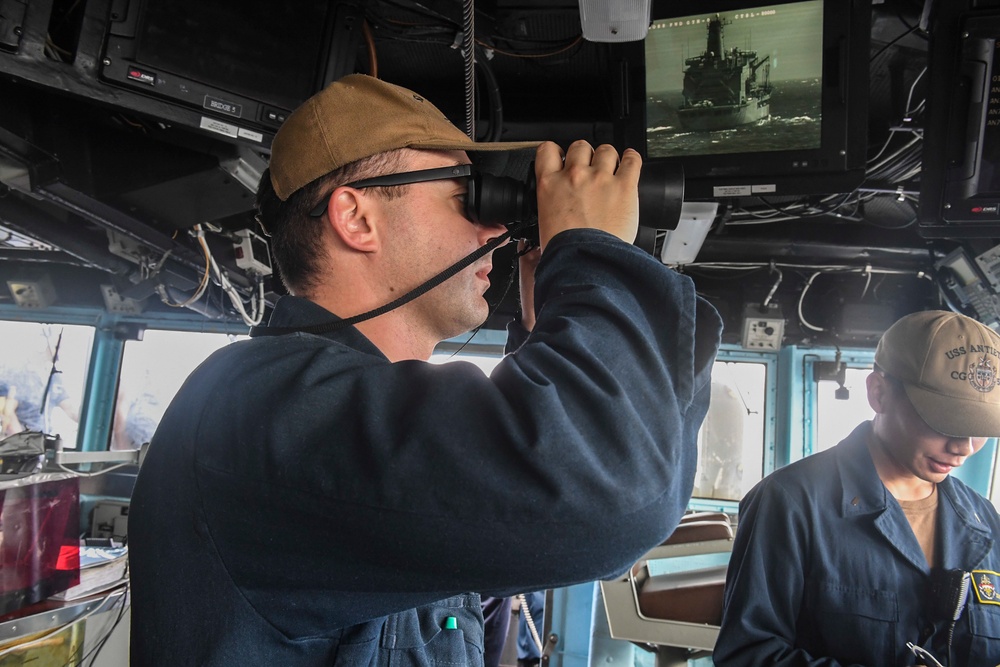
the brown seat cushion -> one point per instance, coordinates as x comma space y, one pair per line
700, 531
692, 596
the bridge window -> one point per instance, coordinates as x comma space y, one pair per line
43, 370
837, 417
731, 441
153, 369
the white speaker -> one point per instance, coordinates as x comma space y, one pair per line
615, 20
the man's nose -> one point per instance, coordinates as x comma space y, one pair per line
961, 446
489, 232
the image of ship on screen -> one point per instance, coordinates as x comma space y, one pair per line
724, 87
793, 122
740, 83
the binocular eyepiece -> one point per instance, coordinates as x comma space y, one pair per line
513, 203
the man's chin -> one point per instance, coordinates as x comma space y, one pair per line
472, 320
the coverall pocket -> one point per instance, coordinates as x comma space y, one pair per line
984, 624
844, 615
445, 634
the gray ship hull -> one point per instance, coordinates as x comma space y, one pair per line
723, 117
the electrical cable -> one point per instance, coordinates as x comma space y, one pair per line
909, 98
366, 31
256, 298
812, 211
868, 281
530, 621
574, 42
212, 267
96, 651
102, 471
469, 60
199, 234
256, 302
493, 93
802, 297
923, 653
774, 288
893, 41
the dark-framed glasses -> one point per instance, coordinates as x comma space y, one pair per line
402, 178
491, 200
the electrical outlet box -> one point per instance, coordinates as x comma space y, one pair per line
763, 329
32, 293
116, 303
252, 253
989, 262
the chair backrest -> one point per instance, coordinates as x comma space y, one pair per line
679, 608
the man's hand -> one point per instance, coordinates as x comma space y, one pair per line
589, 189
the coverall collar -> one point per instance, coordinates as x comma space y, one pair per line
963, 537
294, 311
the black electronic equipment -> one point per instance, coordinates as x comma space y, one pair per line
243, 64
971, 287
752, 98
960, 176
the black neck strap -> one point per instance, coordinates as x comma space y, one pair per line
337, 325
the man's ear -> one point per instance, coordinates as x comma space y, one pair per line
879, 391
353, 219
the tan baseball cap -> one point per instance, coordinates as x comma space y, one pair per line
948, 364
357, 117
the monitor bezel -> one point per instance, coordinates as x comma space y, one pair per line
836, 165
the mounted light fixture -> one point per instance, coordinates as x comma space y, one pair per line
615, 20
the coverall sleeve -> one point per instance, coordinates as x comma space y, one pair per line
575, 457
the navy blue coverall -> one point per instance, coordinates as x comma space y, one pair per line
306, 502
826, 571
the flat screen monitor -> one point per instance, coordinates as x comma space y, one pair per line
244, 64
264, 51
752, 98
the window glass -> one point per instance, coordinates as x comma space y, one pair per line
486, 362
43, 371
836, 418
153, 369
731, 440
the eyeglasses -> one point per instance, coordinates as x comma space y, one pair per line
402, 178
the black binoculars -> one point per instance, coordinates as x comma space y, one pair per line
511, 202
502, 200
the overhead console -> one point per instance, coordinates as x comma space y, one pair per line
230, 59
752, 98
223, 68
152, 120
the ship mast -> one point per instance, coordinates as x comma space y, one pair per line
715, 48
